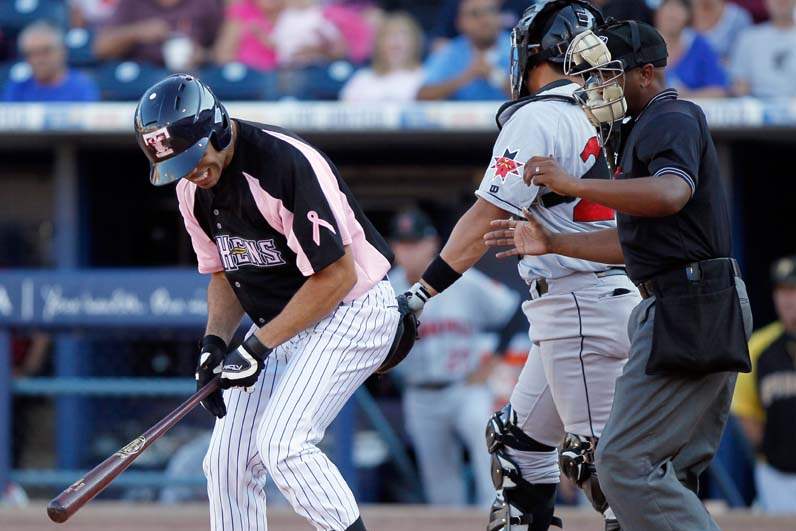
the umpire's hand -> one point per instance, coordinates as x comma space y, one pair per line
522, 238
213, 350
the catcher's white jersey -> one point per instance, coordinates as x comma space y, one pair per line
560, 130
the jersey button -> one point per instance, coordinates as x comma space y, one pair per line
261, 320
237, 284
218, 225
215, 212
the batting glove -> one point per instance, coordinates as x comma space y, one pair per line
212, 355
243, 365
416, 298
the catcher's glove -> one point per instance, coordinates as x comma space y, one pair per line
405, 336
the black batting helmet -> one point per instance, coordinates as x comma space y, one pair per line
175, 121
543, 34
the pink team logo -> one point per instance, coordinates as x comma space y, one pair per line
156, 140
317, 223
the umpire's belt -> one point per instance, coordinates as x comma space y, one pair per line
714, 268
542, 286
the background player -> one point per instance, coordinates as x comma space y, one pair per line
286, 243
446, 399
578, 309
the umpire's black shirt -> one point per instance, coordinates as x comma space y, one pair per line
671, 136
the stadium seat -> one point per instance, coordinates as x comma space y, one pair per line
126, 81
235, 81
16, 14
322, 82
79, 45
17, 71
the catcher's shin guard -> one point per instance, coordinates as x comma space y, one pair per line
577, 463
519, 504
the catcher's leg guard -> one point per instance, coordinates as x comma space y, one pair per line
519, 505
577, 463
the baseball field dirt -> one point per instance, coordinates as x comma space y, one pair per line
105, 516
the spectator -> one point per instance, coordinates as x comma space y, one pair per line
765, 399
42, 45
246, 35
720, 22
446, 399
626, 10
764, 62
142, 30
756, 8
395, 74
445, 27
302, 35
473, 66
693, 67
90, 13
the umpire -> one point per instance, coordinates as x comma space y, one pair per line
688, 335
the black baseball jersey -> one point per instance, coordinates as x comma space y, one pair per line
279, 213
776, 386
670, 136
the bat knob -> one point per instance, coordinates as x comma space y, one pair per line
57, 512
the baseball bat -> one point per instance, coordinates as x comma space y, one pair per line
63, 506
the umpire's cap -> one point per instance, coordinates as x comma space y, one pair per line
411, 225
174, 122
634, 43
783, 271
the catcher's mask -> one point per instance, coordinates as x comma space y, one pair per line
602, 94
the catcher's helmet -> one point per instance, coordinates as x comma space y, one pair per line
174, 122
543, 34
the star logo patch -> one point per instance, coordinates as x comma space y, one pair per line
506, 165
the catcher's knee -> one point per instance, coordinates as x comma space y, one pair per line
578, 464
519, 504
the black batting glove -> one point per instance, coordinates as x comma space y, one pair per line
212, 355
243, 365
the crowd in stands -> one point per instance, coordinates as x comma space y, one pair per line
359, 50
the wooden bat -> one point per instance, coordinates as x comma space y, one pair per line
63, 506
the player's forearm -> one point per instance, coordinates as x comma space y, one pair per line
600, 246
643, 197
224, 311
320, 294
465, 247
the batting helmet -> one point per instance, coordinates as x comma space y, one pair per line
175, 121
543, 34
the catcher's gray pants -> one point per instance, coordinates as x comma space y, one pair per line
661, 435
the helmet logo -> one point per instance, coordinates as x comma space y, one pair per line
156, 140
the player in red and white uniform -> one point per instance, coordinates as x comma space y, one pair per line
578, 310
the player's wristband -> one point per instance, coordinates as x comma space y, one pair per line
256, 348
210, 341
439, 275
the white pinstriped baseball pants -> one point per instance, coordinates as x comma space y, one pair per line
275, 429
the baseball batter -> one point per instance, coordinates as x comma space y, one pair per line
578, 309
285, 242
445, 399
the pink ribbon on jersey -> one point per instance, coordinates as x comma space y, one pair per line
317, 223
